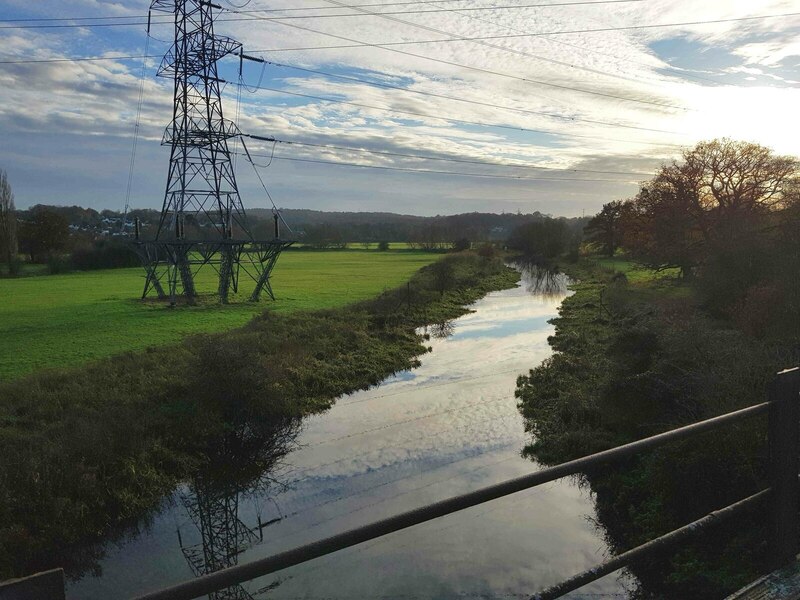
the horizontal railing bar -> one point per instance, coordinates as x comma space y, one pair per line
651, 547
234, 575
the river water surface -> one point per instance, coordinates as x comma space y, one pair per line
447, 427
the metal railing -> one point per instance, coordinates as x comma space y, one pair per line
782, 407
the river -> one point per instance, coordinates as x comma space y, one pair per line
446, 427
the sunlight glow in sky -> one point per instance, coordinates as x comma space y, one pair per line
645, 92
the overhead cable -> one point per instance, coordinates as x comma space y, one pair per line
442, 172
445, 159
344, 5
524, 35
458, 39
275, 209
23, 61
528, 54
377, 5
390, 110
136, 125
469, 122
584, 48
467, 101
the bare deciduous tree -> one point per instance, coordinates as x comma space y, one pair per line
740, 176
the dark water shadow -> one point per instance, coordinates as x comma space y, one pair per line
243, 465
542, 282
441, 330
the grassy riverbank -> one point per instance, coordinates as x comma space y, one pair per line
86, 449
635, 355
71, 319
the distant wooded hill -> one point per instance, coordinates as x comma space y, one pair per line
333, 228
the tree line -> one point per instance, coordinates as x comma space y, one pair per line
703, 337
72, 237
8, 224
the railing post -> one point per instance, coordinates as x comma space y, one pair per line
784, 446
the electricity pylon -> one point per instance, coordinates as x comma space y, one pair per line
201, 192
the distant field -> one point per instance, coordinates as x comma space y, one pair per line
64, 320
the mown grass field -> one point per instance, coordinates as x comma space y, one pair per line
66, 320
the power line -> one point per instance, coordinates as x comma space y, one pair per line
380, 4
438, 10
156, 19
91, 25
536, 34
527, 54
275, 210
465, 100
381, 108
359, 45
441, 172
163, 21
465, 121
75, 59
403, 43
49, 19
136, 126
445, 159
391, 86
584, 48
472, 67
385, 46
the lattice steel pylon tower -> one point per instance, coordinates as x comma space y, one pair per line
215, 512
201, 189
242, 465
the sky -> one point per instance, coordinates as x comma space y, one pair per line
504, 105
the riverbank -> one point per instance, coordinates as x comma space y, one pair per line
87, 449
635, 355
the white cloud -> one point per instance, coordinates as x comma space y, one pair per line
99, 98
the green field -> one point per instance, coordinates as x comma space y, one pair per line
65, 320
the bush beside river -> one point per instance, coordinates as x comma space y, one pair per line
637, 355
